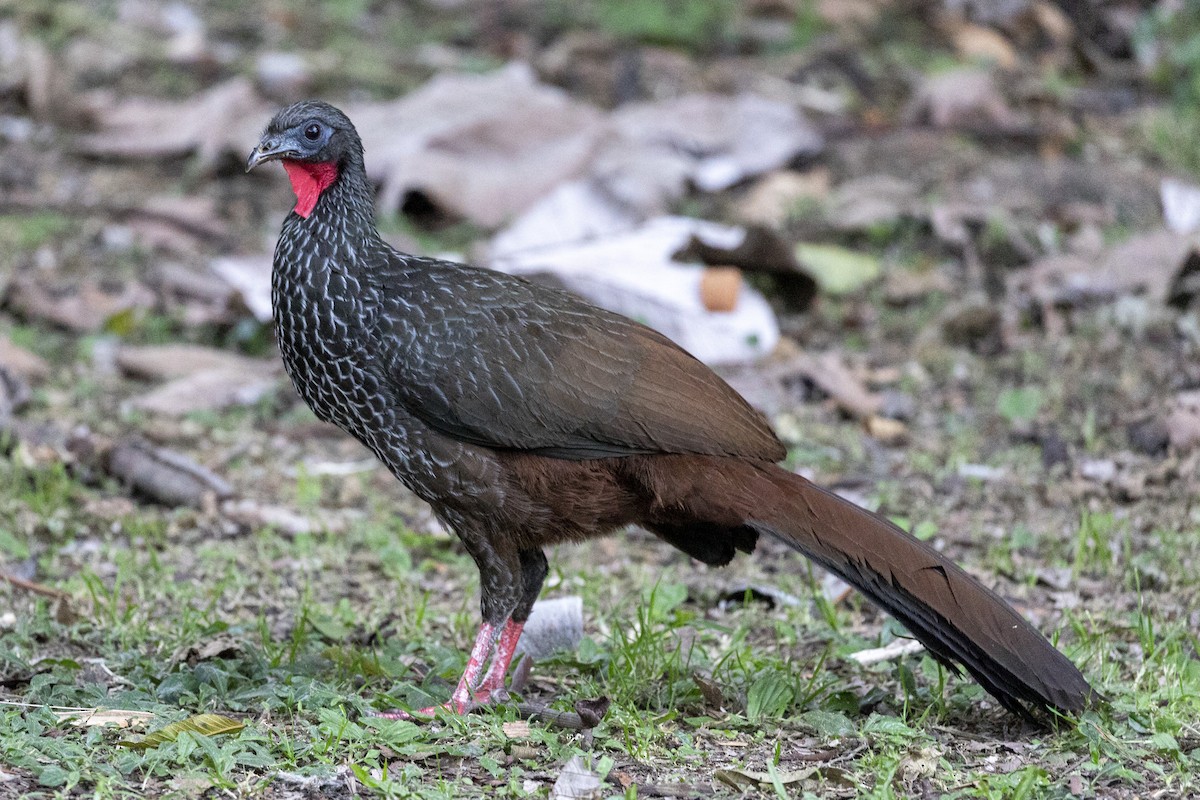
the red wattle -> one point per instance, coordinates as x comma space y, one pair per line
309, 179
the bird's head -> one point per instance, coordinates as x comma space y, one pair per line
315, 142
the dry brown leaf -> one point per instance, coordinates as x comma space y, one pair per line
886, 429
177, 223
774, 198
834, 589
225, 120
254, 515
964, 98
871, 200
483, 147
1183, 421
23, 363
211, 389
83, 306
200, 298
219, 646
99, 717
249, 276
1145, 264
713, 141
977, 42
840, 13
158, 362
577, 782
517, 729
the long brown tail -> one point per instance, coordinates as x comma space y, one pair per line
958, 619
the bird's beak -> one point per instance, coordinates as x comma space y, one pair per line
271, 149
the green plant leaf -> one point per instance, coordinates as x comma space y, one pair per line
1020, 405
768, 697
838, 270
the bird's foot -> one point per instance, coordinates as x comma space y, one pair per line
480, 699
420, 714
475, 689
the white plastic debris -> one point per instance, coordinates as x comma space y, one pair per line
633, 273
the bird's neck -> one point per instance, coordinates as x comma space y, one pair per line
309, 179
334, 204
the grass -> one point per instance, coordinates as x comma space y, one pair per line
299, 637
176, 613
179, 612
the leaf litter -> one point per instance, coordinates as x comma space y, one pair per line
966, 185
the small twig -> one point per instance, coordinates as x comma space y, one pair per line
539, 712
36, 588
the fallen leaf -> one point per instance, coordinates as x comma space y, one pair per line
720, 140
777, 196
83, 306
592, 710
219, 646
576, 782
1183, 421
834, 589
887, 430
963, 99
872, 200
254, 515
518, 729
251, 277
99, 717
204, 724
742, 779
22, 362
157, 362
222, 121
710, 690
1181, 205
1147, 264
211, 389
978, 43
483, 147
838, 270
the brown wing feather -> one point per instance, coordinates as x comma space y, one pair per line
527, 367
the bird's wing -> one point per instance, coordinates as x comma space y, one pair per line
494, 360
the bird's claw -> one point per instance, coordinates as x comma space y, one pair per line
459, 707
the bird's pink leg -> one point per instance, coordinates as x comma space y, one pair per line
485, 643
506, 646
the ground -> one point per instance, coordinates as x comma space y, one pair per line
1033, 451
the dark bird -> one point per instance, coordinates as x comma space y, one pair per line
526, 417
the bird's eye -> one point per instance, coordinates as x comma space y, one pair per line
312, 132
